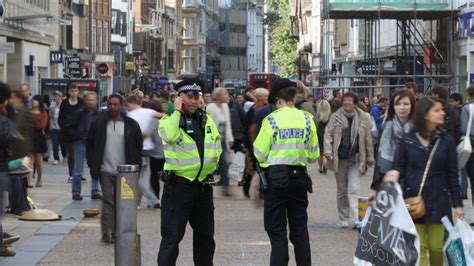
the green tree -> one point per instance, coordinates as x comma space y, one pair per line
284, 49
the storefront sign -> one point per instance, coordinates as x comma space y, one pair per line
74, 62
129, 65
55, 57
7, 47
102, 68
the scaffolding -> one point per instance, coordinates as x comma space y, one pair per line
422, 53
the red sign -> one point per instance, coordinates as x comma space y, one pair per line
102, 68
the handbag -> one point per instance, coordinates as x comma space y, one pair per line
12, 139
416, 205
464, 149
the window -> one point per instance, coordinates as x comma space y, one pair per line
115, 21
188, 61
170, 59
106, 37
93, 5
123, 24
93, 37
188, 28
99, 36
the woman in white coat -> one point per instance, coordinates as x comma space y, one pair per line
220, 113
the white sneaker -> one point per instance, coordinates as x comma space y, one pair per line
69, 180
55, 162
343, 224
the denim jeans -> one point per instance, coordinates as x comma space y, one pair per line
79, 157
144, 186
57, 143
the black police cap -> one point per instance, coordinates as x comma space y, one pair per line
278, 84
192, 87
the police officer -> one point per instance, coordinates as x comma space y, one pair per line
286, 144
192, 148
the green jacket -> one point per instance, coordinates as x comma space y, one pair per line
287, 137
181, 152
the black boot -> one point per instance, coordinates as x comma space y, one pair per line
246, 186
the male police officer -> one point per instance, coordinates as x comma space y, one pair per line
192, 148
286, 143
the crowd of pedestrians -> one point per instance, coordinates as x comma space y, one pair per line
182, 142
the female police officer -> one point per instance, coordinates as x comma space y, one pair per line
192, 148
286, 143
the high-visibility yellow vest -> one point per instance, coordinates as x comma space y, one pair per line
181, 152
287, 137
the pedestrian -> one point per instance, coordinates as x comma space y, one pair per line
85, 117
366, 102
378, 112
220, 113
238, 122
26, 94
452, 120
103, 103
301, 102
39, 119
398, 123
5, 138
285, 145
239, 97
336, 101
249, 98
464, 123
157, 155
68, 125
255, 115
348, 147
322, 118
207, 97
192, 149
114, 139
55, 130
145, 118
47, 108
169, 105
440, 187
456, 102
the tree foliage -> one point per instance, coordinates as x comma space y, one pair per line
284, 48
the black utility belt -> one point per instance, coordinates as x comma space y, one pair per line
279, 176
183, 180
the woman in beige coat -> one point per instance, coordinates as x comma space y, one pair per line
348, 147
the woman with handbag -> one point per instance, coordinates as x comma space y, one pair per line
426, 166
397, 123
349, 150
39, 119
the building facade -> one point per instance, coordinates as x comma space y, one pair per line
233, 45
255, 47
122, 21
29, 30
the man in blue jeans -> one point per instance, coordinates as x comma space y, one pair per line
85, 118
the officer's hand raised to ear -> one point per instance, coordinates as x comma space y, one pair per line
178, 104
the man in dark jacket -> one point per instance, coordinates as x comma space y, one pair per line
113, 140
68, 125
238, 120
452, 120
85, 118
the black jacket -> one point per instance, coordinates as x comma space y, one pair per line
441, 190
95, 144
238, 120
66, 120
80, 129
452, 122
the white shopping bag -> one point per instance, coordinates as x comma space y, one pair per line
236, 165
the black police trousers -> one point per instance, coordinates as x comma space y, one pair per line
284, 205
181, 203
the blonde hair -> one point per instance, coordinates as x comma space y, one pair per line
323, 111
301, 89
260, 92
217, 91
